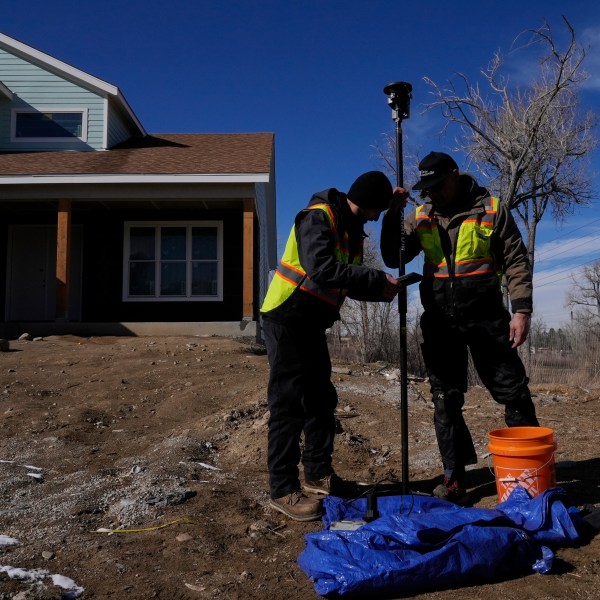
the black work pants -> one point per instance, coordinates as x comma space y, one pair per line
302, 399
446, 341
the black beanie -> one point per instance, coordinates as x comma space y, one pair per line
371, 190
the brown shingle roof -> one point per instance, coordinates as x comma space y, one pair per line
185, 153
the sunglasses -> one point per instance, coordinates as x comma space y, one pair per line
435, 188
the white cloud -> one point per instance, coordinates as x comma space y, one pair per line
550, 288
556, 263
564, 251
590, 40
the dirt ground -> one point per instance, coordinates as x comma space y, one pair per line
166, 436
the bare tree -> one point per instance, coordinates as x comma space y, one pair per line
532, 144
584, 300
385, 153
371, 326
537, 333
584, 295
415, 361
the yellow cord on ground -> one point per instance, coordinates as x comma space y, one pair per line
182, 520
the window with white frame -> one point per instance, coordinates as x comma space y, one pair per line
49, 125
173, 261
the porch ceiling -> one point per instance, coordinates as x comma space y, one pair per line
41, 205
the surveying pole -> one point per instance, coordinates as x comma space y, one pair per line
399, 95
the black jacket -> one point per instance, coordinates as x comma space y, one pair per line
316, 249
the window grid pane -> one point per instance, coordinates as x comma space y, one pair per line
204, 279
142, 279
173, 279
142, 243
173, 243
204, 243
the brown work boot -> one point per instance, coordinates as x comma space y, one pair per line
453, 492
331, 485
298, 506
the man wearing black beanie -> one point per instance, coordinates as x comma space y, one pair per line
371, 190
321, 265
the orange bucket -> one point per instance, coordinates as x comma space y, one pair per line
523, 456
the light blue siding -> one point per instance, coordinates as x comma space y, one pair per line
117, 129
38, 88
5, 108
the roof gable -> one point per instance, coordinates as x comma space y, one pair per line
5, 91
70, 73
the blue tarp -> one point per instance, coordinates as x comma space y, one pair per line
421, 543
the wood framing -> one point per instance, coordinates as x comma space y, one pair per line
63, 251
248, 259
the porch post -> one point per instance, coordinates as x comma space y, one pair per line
63, 252
248, 260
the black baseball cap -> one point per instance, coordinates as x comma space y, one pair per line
433, 169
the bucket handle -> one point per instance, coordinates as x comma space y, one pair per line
517, 479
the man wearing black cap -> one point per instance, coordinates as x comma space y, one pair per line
321, 265
470, 242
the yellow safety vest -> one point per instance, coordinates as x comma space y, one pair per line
473, 255
291, 275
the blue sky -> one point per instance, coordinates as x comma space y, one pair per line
313, 72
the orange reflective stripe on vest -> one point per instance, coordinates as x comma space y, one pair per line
300, 279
